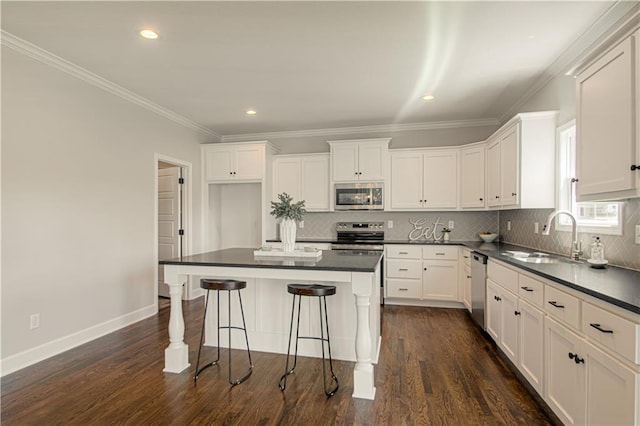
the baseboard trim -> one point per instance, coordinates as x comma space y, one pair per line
31, 356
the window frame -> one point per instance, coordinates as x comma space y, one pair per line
565, 191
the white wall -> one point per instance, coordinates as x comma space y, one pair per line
401, 139
78, 208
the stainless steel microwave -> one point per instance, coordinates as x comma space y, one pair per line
359, 196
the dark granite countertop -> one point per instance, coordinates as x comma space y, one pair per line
243, 257
618, 286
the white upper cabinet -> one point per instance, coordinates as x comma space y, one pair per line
520, 162
359, 160
607, 121
472, 177
424, 179
234, 162
304, 177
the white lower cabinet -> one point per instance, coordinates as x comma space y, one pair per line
565, 377
421, 272
580, 355
585, 385
531, 344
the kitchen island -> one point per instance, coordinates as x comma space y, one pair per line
354, 312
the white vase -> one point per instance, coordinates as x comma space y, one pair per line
446, 236
288, 234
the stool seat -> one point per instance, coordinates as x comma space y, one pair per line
311, 289
216, 284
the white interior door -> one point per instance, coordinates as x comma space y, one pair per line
169, 220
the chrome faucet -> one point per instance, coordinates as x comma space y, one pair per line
576, 246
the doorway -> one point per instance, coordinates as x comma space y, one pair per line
172, 198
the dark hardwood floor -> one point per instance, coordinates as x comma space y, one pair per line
435, 368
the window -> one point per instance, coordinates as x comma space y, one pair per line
598, 218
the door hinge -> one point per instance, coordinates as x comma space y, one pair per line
180, 181
180, 231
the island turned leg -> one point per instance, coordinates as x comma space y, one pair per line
363, 385
176, 355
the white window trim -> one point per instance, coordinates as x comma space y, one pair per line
597, 230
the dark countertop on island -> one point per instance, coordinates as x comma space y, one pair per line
244, 258
618, 286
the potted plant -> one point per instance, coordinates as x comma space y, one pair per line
290, 214
445, 233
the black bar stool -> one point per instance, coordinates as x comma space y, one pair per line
321, 292
228, 286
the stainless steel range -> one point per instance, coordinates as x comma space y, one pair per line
358, 238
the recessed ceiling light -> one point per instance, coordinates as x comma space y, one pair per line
149, 34
428, 97
251, 112
531, 37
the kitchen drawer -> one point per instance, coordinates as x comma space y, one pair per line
440, 253
408, 289
400, 268
507, 278
613, 332
531, 290
562, 306
393, 251
466, 257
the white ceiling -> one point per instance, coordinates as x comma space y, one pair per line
312, 65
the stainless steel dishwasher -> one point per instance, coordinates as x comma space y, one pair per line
478, 287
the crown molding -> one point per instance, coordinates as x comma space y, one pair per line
602, 31
384, 128
31, 50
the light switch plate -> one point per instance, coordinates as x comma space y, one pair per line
536, 228
451, 224
637, 234
508, 225
389, 224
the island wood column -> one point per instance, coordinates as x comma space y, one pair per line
176, 355
362, 286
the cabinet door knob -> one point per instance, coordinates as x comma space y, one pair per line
481, 199
516, 313
574, 180
575, 358
635, 167
497, 196
425, 269
513, 194
468, 276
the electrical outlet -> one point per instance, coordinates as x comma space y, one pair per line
450, 224
389, 224
637, 234
536, 228
34, 321
301, 224
508, 225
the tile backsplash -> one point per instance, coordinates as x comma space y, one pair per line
620, 250
467, 225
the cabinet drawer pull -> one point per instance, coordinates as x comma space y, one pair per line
403, 289
554, 303
466, 257
403, 252
526, 288
439, 254
403, 269
599, 328
497, 298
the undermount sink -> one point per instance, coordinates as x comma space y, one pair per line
536, 259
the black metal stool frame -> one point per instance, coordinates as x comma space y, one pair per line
283, 380
228, 327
